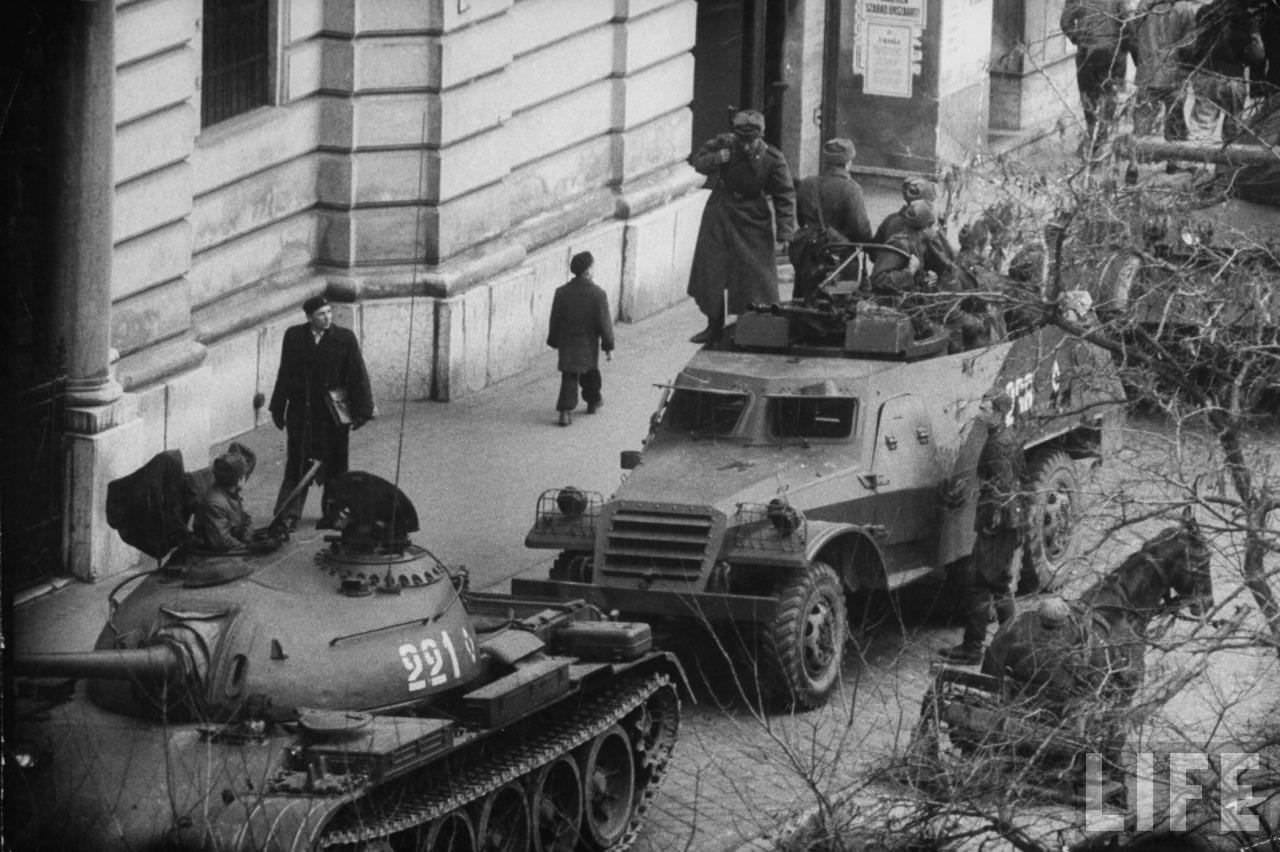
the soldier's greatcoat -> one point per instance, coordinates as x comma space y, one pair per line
735, 248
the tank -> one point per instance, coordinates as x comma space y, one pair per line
354, 696
822, 450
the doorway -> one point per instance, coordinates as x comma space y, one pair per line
738, 64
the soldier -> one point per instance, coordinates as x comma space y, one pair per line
736, 245
1000, 522
1097, 29
220, 522
829, 207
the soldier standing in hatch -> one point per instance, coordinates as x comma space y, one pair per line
581, 325
830, 201
317, 357
1000, 522
736, 245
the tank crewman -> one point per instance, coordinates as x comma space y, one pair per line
829, 206
220, 522
321, 393
1000, 522
738, 236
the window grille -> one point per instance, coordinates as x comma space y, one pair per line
236, 63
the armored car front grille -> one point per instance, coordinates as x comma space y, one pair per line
656, 543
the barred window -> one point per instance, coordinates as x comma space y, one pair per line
237, 53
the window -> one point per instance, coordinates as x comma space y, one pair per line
705, 412
235, 71
811, 417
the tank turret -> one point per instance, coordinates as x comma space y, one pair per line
354, 694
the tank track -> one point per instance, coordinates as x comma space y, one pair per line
400, 807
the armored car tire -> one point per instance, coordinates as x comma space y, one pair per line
804, 644
1052, 538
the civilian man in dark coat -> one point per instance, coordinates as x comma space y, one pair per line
581, 325
1000, 522
317, 358
739, 232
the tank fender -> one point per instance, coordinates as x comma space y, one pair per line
851, 549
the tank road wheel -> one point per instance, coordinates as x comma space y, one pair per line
609, 785
452, 832
805, 643
503, 823
1051, 524
555, 801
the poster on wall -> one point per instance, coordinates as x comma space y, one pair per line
888, 60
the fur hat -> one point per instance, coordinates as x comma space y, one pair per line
837, 152
919, 214
914, 188
748, 121
581, 262
315, 303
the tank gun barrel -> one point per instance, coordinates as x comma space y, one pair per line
151, 663
1155, 148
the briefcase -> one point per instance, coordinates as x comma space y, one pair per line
339, 408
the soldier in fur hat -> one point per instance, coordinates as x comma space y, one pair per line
751, 209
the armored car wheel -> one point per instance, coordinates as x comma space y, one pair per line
1052, 539
804, 645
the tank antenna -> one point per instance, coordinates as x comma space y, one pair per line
413, 299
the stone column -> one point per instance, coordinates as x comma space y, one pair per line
102, 427
85, 189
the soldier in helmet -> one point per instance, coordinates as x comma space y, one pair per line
1000, 522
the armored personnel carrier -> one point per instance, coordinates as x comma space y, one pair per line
353, 697
819, 451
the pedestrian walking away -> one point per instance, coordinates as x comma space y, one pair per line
321, 393
750, 211
830, 209
1000, 522
581, 326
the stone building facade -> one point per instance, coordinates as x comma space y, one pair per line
430, 165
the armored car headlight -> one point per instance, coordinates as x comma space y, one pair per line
571, 502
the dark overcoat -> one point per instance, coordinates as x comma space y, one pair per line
735, 248
835, 199
308, 370
581, 325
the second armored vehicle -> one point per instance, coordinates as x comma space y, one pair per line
785, 468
